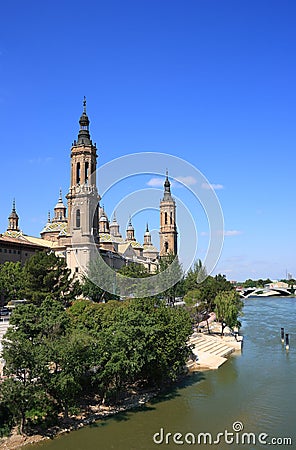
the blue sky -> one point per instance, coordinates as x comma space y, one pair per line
209, 81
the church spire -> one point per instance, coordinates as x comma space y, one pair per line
167, 186
83, 135
13, 219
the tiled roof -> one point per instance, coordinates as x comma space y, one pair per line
150, 248
123, 247
107, 237
41, 242
21, 239
54, 226
135, 244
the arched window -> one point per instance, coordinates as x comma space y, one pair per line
165, 218
166, 246
171, 218
78, 173
78, 218
86, 172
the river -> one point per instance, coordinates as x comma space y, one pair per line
255, 388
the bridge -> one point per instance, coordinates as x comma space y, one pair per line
265, 292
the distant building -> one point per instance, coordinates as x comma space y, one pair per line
277, 284
15, 246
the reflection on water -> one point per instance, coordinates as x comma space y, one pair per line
256, 388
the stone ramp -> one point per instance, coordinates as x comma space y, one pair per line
212, 345
211, 351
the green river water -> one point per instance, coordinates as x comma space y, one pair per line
256, 388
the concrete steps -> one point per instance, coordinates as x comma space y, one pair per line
210, 350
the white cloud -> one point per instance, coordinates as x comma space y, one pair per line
158, 181
155, 182
212, 186
232, 232
189, 180
225, 233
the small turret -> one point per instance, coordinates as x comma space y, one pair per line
103, 222
60, 210
130, 231
147, 237
13, 219
114, 227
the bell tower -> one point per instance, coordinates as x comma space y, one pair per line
82, 198
168, 228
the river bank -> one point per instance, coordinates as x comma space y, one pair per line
91, 414
240, 391
96, 411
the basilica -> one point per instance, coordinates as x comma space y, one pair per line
82, 228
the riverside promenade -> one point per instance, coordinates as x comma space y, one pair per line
212, 349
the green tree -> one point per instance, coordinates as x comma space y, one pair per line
195, 275
19, 398
33, 322
54, 356
26, 351
46, 275
133, 280
228, 308
134, 270
70, 358
171, 272
210, 287
98, 276
249, 283
11, 281
192, 297
23, 366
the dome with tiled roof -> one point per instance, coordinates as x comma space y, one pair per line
54, 227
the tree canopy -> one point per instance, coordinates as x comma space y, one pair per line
11, 281
46, 275
54, 355
228, 306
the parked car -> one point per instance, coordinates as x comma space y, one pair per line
4, 311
